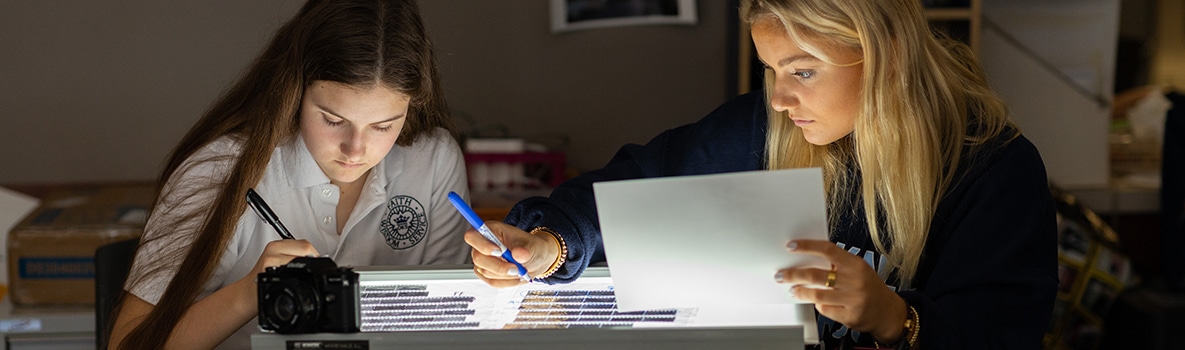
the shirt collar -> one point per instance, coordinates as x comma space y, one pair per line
377, 183
299, 164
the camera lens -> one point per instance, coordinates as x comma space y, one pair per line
284, 308
289, 306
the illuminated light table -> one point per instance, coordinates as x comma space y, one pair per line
450, 308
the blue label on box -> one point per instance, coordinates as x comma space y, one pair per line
47, 216
56, 267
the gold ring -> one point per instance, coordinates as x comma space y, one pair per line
830, 279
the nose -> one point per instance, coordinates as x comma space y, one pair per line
354, 146
783, 99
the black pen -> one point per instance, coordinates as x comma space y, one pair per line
256, 202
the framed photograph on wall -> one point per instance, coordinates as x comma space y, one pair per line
568, 15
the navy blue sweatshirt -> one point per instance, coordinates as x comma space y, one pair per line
988, 274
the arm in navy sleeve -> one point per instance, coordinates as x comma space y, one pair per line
730, 139
988, 277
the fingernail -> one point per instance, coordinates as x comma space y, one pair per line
792, 295
792, 245
513, 271
496, 252
778, 276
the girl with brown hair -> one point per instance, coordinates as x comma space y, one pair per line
340, 124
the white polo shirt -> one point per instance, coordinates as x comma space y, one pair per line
403, 216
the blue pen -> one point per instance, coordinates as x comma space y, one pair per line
481, 227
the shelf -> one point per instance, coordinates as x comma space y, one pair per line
967, 18
46, 327
1119, 199
948, 14
958, 22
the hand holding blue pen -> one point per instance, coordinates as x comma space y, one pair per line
481, 227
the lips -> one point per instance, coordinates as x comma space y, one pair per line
802, 122
348, 165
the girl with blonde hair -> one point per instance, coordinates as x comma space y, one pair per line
942, 225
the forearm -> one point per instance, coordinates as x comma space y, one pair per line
216, 317
730, 139
1011, 315
579, 233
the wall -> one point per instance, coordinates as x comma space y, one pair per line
600, 88
1053, 62
100, 91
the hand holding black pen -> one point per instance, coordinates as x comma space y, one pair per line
256, 203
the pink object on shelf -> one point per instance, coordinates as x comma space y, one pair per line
551, 162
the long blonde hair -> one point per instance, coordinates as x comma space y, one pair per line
922, 99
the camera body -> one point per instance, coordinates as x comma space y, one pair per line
309, 295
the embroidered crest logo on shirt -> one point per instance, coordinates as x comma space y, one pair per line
406, 223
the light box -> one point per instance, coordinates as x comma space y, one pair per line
450, 308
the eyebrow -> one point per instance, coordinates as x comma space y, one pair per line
791, 59
335, 114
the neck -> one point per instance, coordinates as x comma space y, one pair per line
352, 187
349, 197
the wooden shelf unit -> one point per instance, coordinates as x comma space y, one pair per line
968, 17
962, 22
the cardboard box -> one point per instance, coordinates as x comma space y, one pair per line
51, 252
14, 206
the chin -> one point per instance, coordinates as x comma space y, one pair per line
817, 142
820, 140
347, 178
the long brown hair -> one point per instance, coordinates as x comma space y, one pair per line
354, 42
923, 98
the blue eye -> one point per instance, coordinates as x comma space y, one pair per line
804, 74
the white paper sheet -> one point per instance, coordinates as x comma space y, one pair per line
709, 240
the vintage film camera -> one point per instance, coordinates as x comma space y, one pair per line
309, 295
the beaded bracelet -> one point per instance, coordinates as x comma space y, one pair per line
559, 259
913, 326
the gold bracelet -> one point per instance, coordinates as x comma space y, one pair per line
560, 258
913, 326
